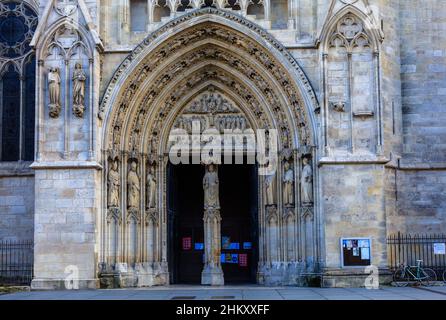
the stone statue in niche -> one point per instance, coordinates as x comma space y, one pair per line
113, 185
288, 183
211, 188
79, 79
54, 92
151, 188
269, 190
133, 187
307, 182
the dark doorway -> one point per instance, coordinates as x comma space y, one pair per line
238, 200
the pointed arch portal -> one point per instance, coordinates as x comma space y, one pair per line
206, 59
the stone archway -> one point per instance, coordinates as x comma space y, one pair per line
146, 98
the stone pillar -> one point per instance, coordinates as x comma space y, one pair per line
212, 272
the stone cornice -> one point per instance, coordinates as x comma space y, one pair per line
65, 165
15, 168
353, 160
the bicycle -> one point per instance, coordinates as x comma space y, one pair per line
405, 274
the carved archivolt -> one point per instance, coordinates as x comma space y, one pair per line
213, 55
158, 60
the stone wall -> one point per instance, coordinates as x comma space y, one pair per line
66, 213
421, 202
16, 208
353, 206
423, 74
421, 182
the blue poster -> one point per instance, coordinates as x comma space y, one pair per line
199, 246
234, 246
247, 245
225, 242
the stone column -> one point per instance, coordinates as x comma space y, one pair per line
212, 272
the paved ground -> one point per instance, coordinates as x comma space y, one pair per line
176, 292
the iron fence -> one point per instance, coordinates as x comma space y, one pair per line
16, 262
407, 249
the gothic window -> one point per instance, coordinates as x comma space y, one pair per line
351, 83
159, 10
18, 23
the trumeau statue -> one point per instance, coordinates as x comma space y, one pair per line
210, 187
79, 79
151, 188
54, 92
307, 182
133, 187
288, 182
269, 190
113, 185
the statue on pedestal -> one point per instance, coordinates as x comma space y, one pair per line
133, 187
288, 185
151, 188
54, 92
211, 188
306, 182
113, 185
79, 79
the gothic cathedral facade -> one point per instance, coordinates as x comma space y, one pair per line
352, 91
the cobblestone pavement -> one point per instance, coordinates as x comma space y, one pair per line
178, 292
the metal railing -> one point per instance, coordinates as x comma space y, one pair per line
16, 262
407, 249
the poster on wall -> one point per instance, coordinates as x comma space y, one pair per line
365, 253
225, 242
243, 260
356, 252
199, 246
187, 243
439, 248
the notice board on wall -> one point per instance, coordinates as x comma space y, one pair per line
356, 252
